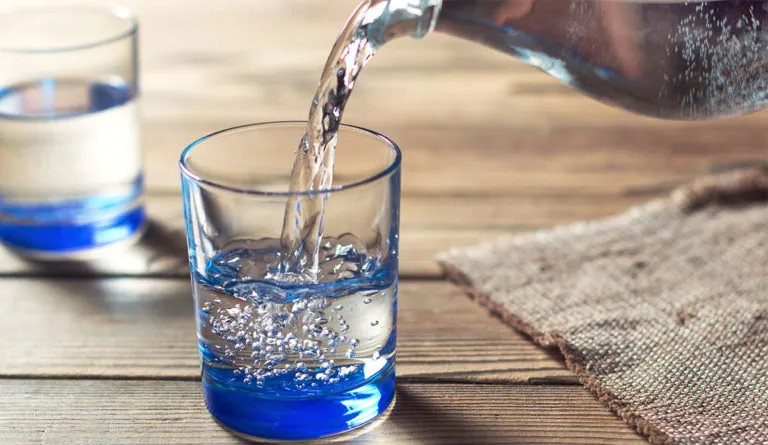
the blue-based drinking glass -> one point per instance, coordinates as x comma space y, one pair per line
70, 158
286, 357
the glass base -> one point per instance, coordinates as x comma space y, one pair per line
73, 241
330, 418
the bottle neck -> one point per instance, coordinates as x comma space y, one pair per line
398, 18
430, 10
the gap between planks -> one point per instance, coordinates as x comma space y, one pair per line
56, 328
542, 381
173, 412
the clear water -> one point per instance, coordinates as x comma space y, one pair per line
284, 359
667, 59
70, 165
313, 165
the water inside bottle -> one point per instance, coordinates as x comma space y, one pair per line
693, 60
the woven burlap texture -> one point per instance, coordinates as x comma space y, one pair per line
663, 310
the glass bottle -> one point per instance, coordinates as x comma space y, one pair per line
670, 59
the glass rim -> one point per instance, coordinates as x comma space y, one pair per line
186, 170
120, 12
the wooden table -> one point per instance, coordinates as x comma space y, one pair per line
105, 352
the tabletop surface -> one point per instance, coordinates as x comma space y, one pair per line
104, 352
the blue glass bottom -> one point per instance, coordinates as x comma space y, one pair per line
291, 418
71, 227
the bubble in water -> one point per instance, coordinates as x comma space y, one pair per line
274, 360
318, 304
299, 306
375, 323
308, 317
274, 328
343, 250
367, 301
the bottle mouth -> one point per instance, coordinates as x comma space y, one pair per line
430, 11
390, 19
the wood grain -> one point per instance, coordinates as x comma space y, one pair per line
65, 411
145, 328
569, 160
428, 225
432, 221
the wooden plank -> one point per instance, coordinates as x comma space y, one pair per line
67, 411
145, 328
566, 160
433, 219
429, 225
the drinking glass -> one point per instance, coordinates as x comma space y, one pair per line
70, 158
286, 357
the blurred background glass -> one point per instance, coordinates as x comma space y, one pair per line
70, 155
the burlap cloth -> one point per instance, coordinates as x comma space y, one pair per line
663, 310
